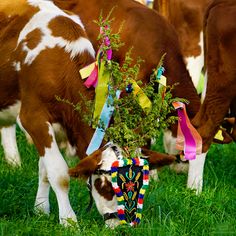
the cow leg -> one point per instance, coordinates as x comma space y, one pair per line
57, 171
55, 166
195, 173
169, 142
42, 198
9, 144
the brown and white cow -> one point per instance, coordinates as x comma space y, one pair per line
187, 18
42, 50
220, 62
150, 36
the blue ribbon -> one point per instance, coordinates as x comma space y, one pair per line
160, 71
105, 118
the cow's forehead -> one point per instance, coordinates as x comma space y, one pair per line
108, 157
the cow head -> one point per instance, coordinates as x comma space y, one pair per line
96, 168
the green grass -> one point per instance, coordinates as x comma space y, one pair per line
169, 208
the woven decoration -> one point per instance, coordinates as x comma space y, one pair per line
130, 179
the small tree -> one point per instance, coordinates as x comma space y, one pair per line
132, 126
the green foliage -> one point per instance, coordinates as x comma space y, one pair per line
169, 208
132, 126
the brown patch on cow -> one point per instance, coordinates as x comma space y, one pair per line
65, 27
33, 38
87, 166
36, 124
68, 5
104, 188
45, 179
187, 18
19, 7
64, 182
157, 159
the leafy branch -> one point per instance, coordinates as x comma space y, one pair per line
132, 126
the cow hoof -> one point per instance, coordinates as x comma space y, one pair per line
42, 209
154, 175
112, 223
69, 222
13, 161
180, 167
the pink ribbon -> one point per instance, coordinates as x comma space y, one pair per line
109, 51
93, 78
188, 139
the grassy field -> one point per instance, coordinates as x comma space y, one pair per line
169, 208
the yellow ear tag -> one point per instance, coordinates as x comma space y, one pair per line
219, 135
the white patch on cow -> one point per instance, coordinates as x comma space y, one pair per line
204, 88
170, 147
49, 6
8, 141
169, 143
42, 198
103, 205
181, 167
70, 150
57, 173
76, 47
9, 114
108, 157
40, 20
8, 134
153, 175
16, 66
62, 140
195, 64
21, 126
195, 173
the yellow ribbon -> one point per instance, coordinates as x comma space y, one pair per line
87, 70
143, 100
101, 90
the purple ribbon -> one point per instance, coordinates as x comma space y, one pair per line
190, 144
108, 51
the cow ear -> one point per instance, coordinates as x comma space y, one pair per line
87, 166
157, 159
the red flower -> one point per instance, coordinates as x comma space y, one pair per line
129, 186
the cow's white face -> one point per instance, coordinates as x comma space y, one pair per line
101, 188
97, 169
